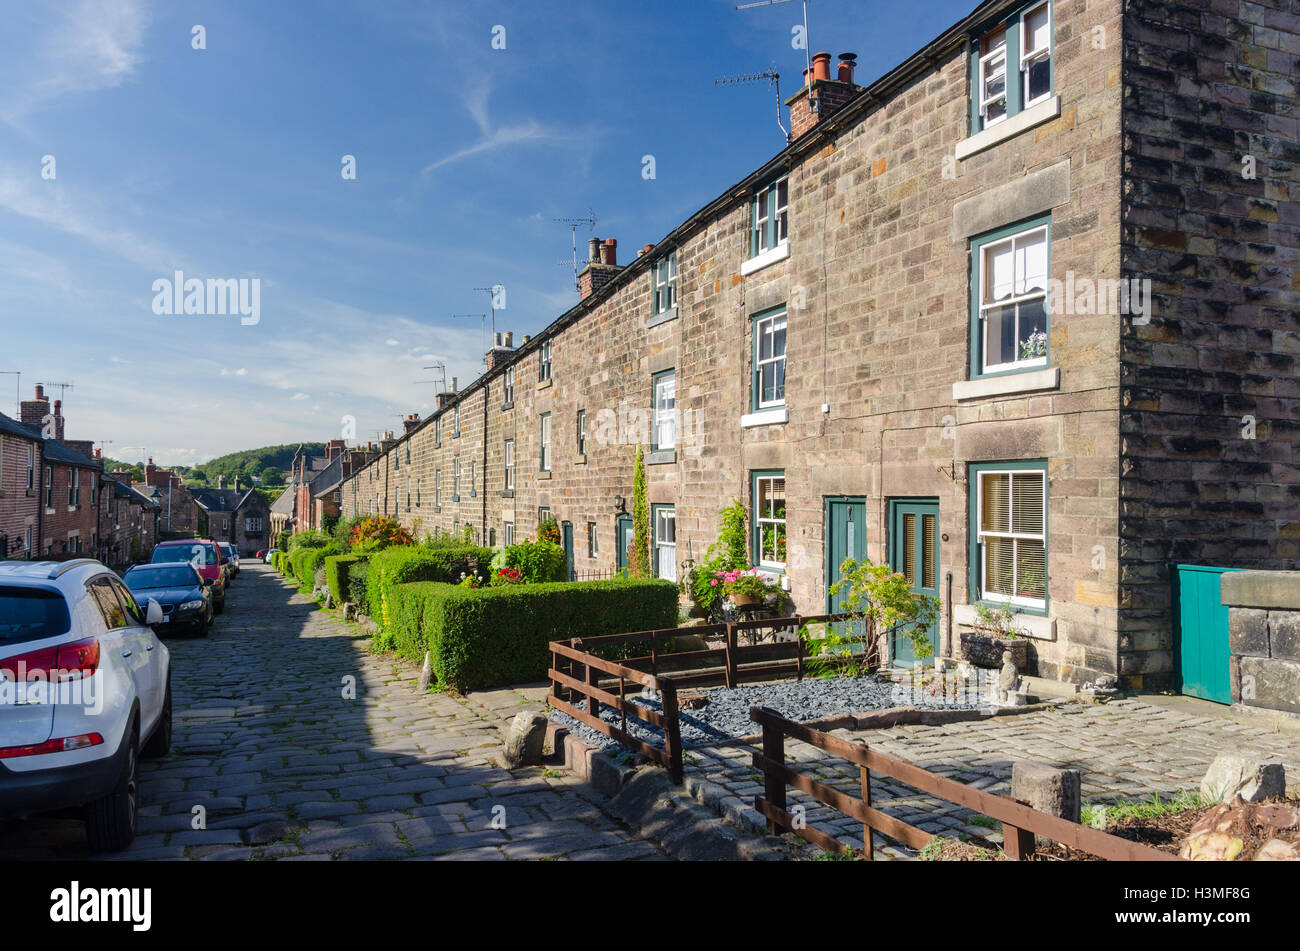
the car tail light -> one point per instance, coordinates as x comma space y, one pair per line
61, 745
79, 658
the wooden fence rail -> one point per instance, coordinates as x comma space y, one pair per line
1020, 823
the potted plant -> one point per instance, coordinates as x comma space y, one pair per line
995, 632
743, 586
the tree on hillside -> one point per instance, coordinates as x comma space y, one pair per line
271, 476
196, 475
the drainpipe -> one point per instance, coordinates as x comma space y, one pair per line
483, 472
40, 500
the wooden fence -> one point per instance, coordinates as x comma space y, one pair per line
579, 673
1020, 823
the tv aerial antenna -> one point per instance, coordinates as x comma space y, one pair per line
574, 224
441, 367
63, 390
773, 79
807, 46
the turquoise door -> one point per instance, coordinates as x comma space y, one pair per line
566, 533
914, 551
846, 537
622, 540
1200, 632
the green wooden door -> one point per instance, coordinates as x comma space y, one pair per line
622, 540
1200, 632
914, 551
566, 535
846, 537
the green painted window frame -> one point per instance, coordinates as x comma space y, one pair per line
508, 463
977, 245
756, 526
756, 401
770, 227
975, 580
663, 283
654, 410
544, 361
1013, 23
544, 435
582, 432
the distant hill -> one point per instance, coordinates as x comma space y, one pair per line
248, 464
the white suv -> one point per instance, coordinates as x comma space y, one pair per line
85, 686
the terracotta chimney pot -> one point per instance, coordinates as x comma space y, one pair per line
821, 66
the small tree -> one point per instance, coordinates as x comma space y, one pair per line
271, 476
879, 599
639, 556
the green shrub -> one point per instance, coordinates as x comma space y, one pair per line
407, 563
539, 562
487, 637
310, 539
338, 569
357, 586
306, 560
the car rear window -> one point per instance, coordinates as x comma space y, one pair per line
169, 576
195, 554
29, 614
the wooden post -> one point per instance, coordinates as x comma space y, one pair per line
798, 652
864, 776
672, 731
1017, 843
774, 785
622, 709
654, 658
593, 705
731, 655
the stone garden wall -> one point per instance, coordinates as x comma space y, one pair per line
1264, 637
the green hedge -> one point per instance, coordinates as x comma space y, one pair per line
357, 586
337, 571
304, 562
487, 637
406, 563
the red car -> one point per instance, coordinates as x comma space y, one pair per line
207, 558
261, 554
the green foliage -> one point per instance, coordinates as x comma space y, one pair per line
729, 553
338, 573
309, 539
638, 561
997, 622
272, 477
305, 561
404, 564
878, 599
537, 562
1100, 816
548, 530
440, 538
328, 523
500, 635
377, 533
251, 462
733, 539
282, 541
357, 588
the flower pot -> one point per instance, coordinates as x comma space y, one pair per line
739, 599
985, 650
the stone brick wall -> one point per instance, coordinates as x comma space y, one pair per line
1210, 471
1264, 638
64, 526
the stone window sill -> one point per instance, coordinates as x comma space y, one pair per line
507, 406
508, 494
1009, 385
1009, 128
1037, 627
661, 457
580, 459
543, 384
757, 263
765, 417
657, 319
546, 474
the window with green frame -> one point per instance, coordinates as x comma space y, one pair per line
769, 536
769, 359
1008, 531
1011, 65
769, 217
664, 275
544, 362
1009, 307
663, 436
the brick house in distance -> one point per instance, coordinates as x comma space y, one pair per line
68, 517
21, 465
1016, 318
128, 522
241, 517
179, 514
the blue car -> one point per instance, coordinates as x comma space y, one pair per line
183, 594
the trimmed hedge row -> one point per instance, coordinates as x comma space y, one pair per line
338, 569
407, 563
486, 637
304, 562
357, 586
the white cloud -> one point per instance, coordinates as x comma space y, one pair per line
390, 342
300, 396
490, 138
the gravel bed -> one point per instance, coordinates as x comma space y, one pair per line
726, 715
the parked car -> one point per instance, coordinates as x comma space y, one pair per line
232, 555
206, 557
85, 690
270, 555
179, 589
261, 554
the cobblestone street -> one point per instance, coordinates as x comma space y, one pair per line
285, 767
1124, 750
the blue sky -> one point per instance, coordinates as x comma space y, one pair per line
225, 163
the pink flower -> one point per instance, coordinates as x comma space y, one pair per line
713, 583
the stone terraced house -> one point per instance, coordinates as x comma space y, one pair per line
1018, 317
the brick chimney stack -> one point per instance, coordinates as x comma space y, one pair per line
502, 348
821, 98
221, 482
34, 411
410, 422
601, 266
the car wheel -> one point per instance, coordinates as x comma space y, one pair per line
220, 607
111, 821
161, 742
